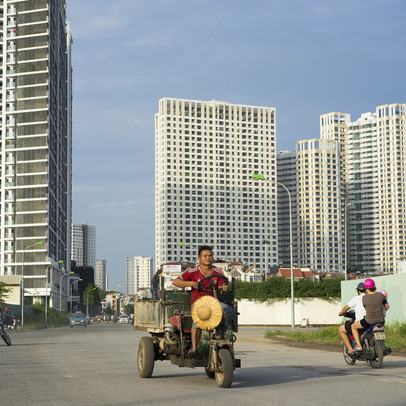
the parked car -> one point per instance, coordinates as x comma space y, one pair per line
78, 319
124, 319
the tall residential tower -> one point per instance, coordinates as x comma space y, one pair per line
35, 154
84, 245
138, 274
205, 154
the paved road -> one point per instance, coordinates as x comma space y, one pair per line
97, 366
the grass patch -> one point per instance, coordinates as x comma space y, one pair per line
36, 320
395, 334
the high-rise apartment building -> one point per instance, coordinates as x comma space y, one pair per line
35, 154
376, 182
287, 175
206, 152
138, 274
319, 199
100, 273
84, 245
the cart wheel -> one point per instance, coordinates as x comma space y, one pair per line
224, 375
145, 357
209, 373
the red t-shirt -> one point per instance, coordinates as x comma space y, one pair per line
195, 275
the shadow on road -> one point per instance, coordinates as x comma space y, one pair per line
37, 344
276, 375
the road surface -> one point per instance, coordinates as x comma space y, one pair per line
97, 366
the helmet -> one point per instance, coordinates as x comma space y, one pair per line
361, 286
6, 308
384, 292
369, 283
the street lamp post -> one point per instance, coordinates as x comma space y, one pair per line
70, 291
46, 295
346, 237
292, 292
182, 244
60, 288
22, 279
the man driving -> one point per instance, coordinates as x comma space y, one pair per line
191, 278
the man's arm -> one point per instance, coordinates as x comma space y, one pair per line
344, 309
180, 283
387, 306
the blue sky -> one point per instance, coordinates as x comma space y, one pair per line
304, 58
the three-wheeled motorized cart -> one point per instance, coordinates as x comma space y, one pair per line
169, 321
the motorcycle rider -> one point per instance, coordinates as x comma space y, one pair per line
373, 302
6, 318
356, 302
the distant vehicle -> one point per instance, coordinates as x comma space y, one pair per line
78, 319
124, 319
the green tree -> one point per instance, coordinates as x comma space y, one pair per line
129, 309
4, 291
93, 297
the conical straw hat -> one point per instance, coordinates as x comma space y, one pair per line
207, 312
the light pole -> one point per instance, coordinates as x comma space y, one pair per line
46, 295
346, 236
292, 292
22, 279
182, 244
70, 291
60, 288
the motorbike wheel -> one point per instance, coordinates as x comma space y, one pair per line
349, 360
145, 357
224, 375
378, 360
6, 338
209, 373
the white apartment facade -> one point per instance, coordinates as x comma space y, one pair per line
319, 199
139, 272
84, 245
35, 154
376, 179
206, 152
100, 273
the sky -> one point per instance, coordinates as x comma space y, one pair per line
305, 58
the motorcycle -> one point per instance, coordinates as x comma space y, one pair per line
372, 342
4, 335
15, 325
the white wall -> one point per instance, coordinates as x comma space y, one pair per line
273, 312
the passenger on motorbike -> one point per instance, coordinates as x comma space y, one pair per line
191, 278
6, 318
356, 302
374, 302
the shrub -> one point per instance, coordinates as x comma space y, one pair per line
279, 288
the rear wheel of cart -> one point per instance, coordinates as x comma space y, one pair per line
146, 357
